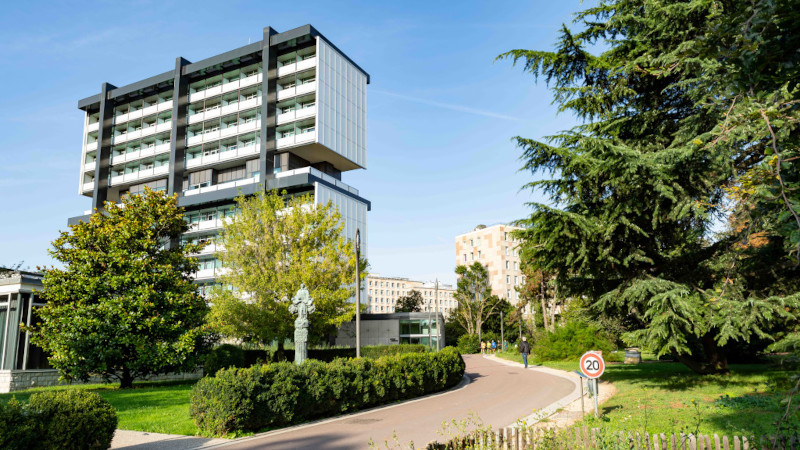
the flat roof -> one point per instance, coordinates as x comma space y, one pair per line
166, 77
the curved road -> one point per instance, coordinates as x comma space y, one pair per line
499, 394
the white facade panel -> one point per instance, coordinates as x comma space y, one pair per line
341, 104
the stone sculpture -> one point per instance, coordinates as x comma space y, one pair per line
302, 305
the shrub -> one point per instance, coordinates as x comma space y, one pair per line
73, 419
222, 357
283, 393
19, 429
377, 351
570, 342
468, 344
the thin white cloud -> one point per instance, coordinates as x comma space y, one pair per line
450, 106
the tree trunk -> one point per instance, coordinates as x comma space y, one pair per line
126, 380
280, 353
716, 362
544, 304
553, 310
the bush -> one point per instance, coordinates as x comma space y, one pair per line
73, 419
279, 394
19, 429
222, 357
468, 344
570, 342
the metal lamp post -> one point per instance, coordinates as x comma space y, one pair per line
358, 293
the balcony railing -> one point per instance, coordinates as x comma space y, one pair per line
92, 127
297, 139
139, 175
298, 114
143, 153
318, 174
91, 146
225, 110
218, 134
221, 186
225, 87
296, 67
227, 155
301, 89
89, 166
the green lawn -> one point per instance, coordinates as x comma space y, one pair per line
156, 407
667, 397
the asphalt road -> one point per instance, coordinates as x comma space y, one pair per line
498, 395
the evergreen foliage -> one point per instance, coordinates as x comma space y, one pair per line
689, 119
124, 305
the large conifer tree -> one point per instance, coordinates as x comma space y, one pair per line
689, 120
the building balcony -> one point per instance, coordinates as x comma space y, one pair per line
302, 89
221, 186
318, 174
297, 115
92, 127
89, 166
210, 273
143, 153
296, 67
88, 187
227, 132
225, 87
229, 155
297, 139
163, 106
225, 110
210, 249
91, 146
140, 175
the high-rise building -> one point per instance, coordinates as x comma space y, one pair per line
498, 251
287, 112
383, 293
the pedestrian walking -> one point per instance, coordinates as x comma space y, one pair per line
483, 347
525, 350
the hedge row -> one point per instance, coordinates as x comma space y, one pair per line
69, 419
280, 394
228, 355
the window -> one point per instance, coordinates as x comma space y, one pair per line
471, 244
515, 281
516, 266
508, 279
208, 215
479, 254
472, 256
506, 265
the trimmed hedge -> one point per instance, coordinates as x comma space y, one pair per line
280, 394
253, 357
222, 357
68, 419
469, 344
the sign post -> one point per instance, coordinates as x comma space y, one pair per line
593, 366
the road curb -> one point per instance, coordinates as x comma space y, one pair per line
550, 409
465, 381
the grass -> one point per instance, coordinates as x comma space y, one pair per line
156, 407
666, 397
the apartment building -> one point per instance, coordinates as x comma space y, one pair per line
498, 251
383, 293
287, 112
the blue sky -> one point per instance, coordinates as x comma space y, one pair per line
441, 112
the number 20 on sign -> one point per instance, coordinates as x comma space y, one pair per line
592, 365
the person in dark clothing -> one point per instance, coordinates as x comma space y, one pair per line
525, 350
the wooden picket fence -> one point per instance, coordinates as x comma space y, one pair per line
582, 438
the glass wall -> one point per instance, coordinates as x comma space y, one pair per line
417, 331
17, 351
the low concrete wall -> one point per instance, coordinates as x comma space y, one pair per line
17, 380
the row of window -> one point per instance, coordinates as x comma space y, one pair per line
212, 148
140, 104
139, 165
299, 55
432, 293
141, 144
297, 104
297, 79
230, 98
210, 214
230, 120
140, 124
225, 78
296, 129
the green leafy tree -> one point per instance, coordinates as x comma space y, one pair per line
474, 297
273, 245
689, 115
124, 305
410, 303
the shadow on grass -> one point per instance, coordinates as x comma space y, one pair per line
677, 377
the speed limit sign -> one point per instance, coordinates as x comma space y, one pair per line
592, 365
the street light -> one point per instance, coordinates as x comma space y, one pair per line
358, 293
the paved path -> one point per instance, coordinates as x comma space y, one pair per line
498, 393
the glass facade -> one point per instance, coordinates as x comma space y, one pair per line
17, 351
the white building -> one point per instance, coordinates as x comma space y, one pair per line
287, 112
383, 293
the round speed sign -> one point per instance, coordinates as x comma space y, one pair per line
592, 365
